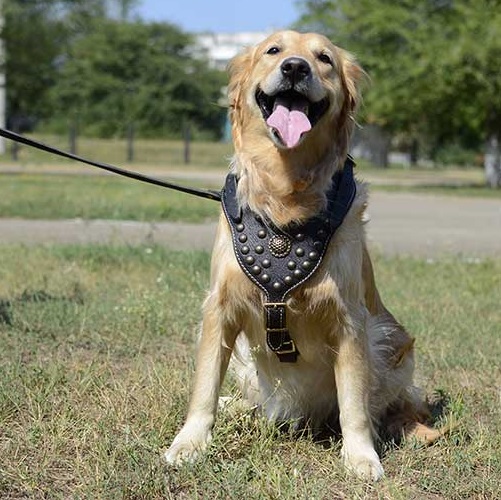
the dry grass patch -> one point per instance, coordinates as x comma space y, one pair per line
96, 359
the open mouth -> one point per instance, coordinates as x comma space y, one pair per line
290, 114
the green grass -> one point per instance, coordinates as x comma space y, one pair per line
98, 197
33, 194
41, 196
157, 152
96, 360
478, 190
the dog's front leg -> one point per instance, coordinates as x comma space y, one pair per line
352, 371
214, 353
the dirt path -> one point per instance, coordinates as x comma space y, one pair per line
401, 223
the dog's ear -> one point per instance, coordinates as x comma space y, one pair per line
353, 78
239, 69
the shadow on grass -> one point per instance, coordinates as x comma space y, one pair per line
7, 306
330, 435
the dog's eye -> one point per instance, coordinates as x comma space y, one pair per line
273, 50
326, 59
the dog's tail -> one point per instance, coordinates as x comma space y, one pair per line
412, 420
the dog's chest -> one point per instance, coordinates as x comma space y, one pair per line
279, 261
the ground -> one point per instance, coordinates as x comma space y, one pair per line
401, 223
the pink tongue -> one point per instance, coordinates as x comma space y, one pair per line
290, 125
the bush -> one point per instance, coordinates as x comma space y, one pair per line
456, 155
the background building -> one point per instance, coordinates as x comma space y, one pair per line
220, 48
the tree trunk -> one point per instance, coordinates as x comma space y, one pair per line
372, 143
414, 152
492, 162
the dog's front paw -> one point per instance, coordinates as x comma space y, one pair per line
187, 445
363, 462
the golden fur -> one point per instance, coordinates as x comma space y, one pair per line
356, 361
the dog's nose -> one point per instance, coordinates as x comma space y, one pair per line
295, 68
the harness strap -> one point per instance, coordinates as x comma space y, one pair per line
277, 334
278, 260
202, 193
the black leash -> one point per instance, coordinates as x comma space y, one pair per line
276, 260
202, 193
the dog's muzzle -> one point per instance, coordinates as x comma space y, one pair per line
288, 111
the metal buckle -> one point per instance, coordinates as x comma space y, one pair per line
274, 305
290, 350
269, 307
287, 346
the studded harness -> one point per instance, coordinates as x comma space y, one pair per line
278, 260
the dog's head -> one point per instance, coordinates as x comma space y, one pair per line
294, 89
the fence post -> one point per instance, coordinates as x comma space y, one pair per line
15, 145
130, 142
73, 138
187, 143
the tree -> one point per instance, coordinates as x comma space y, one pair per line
122, 72
431, 62
29, 55
34, 33
86, 60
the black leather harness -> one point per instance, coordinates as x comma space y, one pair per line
278, 260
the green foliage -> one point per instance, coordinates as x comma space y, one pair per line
71, 60
432, 63
454, 154
30, 54
124, 72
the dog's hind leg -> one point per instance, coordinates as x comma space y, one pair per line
404, 411
214, 351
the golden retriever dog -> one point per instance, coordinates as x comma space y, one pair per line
341, 356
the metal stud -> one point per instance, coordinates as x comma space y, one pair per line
318, 245
277, 285
245, 250
321, 233
299, 252
298, 273
300, 237
261, 233
313, 255
255, 270
242, 238
279, 245
249, 259
259, 249
265, 278
291, 265
306, 265
266, 263
288, 280
239, 227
